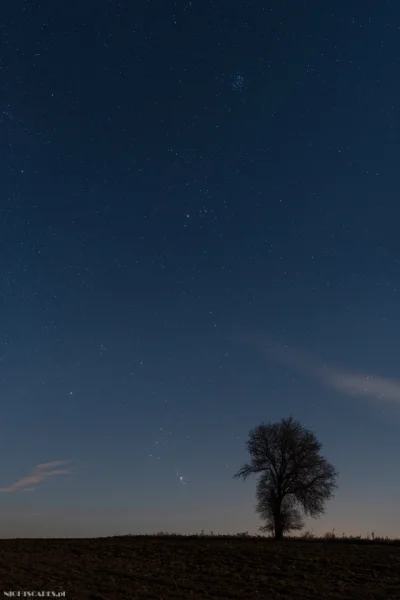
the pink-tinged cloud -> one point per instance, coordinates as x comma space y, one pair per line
382, 389
39, 474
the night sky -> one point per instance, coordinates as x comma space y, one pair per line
199, 232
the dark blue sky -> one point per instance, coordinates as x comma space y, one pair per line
181, 183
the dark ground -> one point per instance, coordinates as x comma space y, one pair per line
176, 568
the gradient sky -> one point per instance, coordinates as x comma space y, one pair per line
198, 232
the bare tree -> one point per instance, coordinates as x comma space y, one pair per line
294, 477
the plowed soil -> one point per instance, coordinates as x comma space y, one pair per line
163, 568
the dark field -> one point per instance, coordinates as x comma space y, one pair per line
202, 567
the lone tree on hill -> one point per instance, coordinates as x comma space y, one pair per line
294, 477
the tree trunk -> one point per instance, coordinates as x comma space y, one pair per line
278, 530
278, 521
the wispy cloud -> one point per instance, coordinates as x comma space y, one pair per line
355, 383
39, 474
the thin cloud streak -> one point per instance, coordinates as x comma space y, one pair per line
381, 389
39, 474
